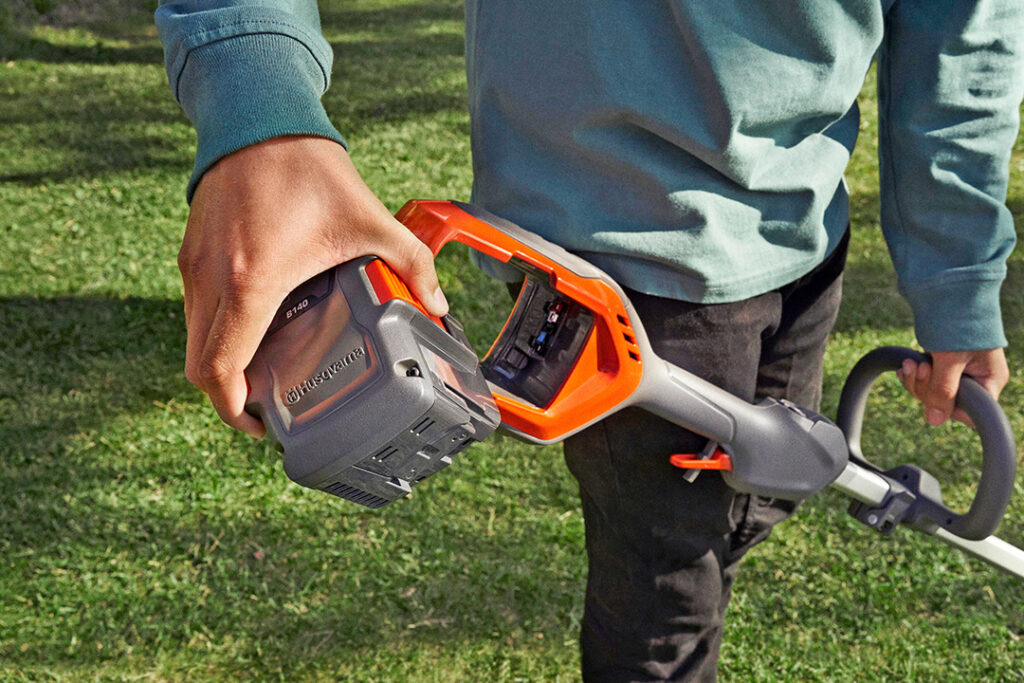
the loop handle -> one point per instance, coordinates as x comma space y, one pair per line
999, 451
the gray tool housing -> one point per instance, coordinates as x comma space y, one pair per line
365, 399
778, 449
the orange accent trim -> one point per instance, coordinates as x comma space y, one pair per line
719, 460
387, 286
609, 368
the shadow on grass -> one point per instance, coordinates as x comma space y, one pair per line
103, 20
399, 107
126, 506
18, 44
70, 363
136, 24
171, 554
387, 82
331, 14
81, 125
87, 123
151, 544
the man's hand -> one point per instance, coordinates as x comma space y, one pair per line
935, 384
264, 220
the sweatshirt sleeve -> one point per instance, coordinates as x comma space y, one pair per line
246, 71
950, 80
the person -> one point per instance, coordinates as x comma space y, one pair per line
693, 150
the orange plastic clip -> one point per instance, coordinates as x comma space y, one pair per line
719, 460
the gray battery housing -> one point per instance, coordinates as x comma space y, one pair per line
366, 399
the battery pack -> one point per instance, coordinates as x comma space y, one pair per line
365, 394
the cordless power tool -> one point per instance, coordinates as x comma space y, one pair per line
367, 395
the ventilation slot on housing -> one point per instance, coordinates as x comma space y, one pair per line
356, 495
383, 454
423, 425
461, 447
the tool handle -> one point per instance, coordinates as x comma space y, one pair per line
776, 448
999, 451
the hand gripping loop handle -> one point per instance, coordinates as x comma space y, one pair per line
999, 451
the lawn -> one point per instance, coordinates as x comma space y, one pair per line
140, 539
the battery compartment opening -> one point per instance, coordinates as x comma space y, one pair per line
540, 344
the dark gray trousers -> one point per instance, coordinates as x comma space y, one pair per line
663, 553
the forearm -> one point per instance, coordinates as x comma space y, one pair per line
951, 77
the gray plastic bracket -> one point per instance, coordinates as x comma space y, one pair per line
887, 516
914, 498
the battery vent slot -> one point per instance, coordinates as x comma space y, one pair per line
423, 425
461, 447
356, 495
383, 454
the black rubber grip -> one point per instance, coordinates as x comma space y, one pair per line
999, 451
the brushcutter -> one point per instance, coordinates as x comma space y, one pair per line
367, 395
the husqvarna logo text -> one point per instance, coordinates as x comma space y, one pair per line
295, 394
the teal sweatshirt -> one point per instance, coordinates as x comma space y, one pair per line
692, 149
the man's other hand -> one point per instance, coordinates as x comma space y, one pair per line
263, 220
935, 384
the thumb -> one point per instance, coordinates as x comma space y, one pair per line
369, 228
943, 382
413, 261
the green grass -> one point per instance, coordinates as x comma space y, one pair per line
140, 539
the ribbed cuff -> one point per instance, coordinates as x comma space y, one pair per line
251, 88
960, 315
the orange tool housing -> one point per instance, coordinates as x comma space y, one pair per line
608, 369
387, 286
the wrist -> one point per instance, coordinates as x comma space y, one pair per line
236, 102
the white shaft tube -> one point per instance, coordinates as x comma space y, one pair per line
868, 487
